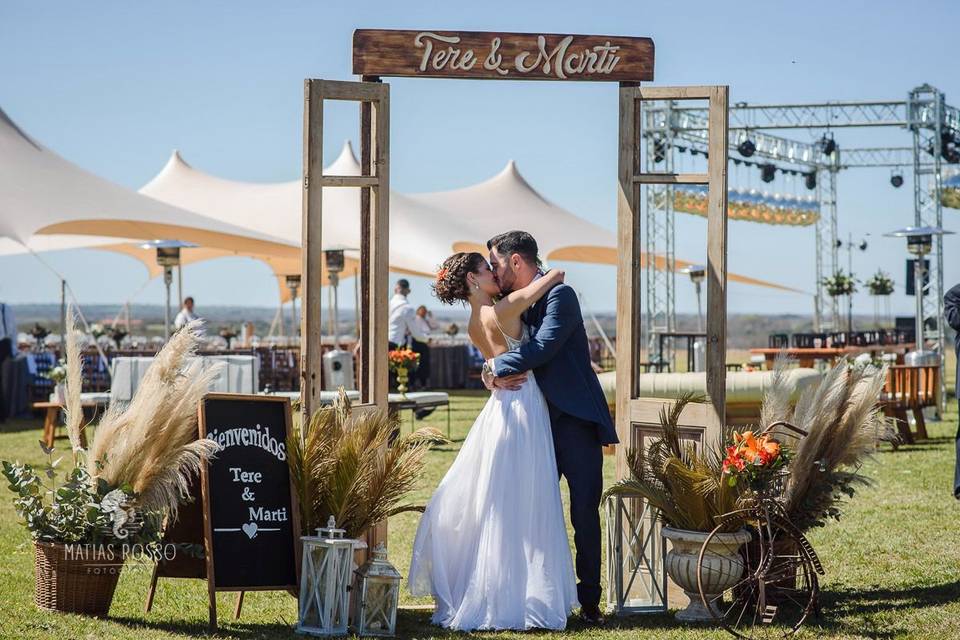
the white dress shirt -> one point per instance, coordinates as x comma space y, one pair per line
183, 318
403, 321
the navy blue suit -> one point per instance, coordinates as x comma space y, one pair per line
559, 356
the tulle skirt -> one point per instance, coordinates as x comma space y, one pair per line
492, 547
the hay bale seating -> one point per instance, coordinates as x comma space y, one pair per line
745, 389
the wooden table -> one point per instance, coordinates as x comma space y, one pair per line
51, 419
808, 356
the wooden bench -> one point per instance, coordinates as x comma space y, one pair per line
910, 388
52, 414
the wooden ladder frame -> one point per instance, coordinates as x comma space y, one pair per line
374, 185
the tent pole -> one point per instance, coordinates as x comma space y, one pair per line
167, 281
63, 317
180, 284
356, 299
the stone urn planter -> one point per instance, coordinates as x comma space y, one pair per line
722, 557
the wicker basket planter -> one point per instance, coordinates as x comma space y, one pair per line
72, 583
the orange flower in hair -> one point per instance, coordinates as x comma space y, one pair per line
441, 274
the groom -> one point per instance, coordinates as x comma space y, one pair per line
559, 357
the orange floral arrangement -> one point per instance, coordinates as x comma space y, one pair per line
753, 457
403, 359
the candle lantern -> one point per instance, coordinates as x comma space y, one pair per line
376, 594
325, 581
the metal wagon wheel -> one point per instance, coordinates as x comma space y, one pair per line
768, 588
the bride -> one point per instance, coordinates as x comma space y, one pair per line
492, 546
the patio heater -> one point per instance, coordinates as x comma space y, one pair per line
293, 284
168, 257
333, 260
337, 364
698, 273
919, 244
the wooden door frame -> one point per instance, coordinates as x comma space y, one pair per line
374, 184
630, 408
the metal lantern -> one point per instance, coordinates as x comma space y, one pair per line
325, 582
376, 594
636, 572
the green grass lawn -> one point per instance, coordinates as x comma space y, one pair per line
892, 562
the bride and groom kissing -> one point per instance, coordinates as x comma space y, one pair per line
491, 547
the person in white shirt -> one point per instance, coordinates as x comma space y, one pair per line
403, 330
186, 314
403, 325
424, 321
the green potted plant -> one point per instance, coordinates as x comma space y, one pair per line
85, 520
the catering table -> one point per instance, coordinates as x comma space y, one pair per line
449, 366
808, 356
240, 374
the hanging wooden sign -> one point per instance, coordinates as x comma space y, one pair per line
501, 56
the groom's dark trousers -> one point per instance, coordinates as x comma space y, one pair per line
559, 356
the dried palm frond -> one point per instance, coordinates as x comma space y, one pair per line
684, 485
344, 464
843, 425
73, 409
151, 445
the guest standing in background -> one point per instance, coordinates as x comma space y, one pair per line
426, 325
186, 314
951, 310
8, 347
403, 326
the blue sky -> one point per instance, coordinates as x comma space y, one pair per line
115, 86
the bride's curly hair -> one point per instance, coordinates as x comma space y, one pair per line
451, 284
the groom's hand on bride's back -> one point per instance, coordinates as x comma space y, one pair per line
511, 383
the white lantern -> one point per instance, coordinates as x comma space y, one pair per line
376, 594
325, 581
636, 572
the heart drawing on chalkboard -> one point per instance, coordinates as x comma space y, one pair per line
250, 529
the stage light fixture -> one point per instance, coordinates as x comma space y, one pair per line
659, 150
896, 180
746, 148
768, 172
828, 145
811, 180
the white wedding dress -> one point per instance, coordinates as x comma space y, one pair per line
492, 545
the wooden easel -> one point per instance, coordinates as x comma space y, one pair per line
194, 526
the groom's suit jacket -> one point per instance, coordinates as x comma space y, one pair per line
559, 356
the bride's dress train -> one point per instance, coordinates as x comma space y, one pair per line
492, 546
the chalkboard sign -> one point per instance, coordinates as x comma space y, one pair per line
252, 532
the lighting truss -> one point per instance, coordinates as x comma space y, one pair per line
924, 113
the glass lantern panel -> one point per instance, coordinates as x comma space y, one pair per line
636, 573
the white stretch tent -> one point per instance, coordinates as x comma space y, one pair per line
424, 228
42, 193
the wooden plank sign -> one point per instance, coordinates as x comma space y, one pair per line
501, 56
252, 532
